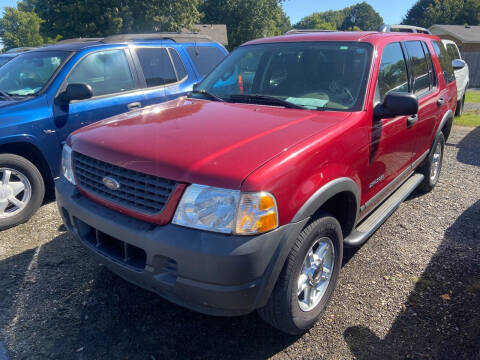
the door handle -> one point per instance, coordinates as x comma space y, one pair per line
412, 119
134, 105
440, 101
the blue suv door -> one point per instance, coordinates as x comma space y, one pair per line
114, 85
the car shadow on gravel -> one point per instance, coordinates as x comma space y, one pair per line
469, 147
56, 302
441, 317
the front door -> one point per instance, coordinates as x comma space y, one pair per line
114, 91
391, 144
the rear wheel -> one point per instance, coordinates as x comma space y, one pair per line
21, 190
433, 166
308, 278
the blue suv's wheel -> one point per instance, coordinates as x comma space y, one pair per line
21, 190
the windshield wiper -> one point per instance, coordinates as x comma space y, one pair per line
5, 95
265, 99
208, 94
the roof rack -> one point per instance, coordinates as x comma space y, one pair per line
78, 40
404, 28
177, 37
304, 31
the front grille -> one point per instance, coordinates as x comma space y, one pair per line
140, 192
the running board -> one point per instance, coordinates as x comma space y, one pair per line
368, 226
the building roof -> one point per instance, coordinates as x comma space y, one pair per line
217, 32
464, 33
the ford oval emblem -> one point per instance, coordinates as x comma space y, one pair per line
111, 183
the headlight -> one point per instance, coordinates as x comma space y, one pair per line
67, 164
226, 211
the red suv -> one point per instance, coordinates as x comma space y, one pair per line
242, 195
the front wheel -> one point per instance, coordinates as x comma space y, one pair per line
308, 278
433, 165
21, 190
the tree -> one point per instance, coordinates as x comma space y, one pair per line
360, 16
20, 28
98, 18
246, 19
425, 13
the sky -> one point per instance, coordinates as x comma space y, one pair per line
392, 11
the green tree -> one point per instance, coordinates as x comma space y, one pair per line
360, 16
246, 19
425, 13
20, 28
97, 18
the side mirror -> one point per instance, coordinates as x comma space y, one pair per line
80, 91
195, 86
396, 104
458, 64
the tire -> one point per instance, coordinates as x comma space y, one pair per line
433, 164
460, 106
284, 308
17, 172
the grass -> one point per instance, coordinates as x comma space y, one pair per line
472, 97
471, 119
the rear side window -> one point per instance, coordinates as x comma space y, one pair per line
178, 63
453, 52
392, 75
205, 58
445, 61
419, 67
156, 66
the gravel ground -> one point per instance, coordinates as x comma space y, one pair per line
412, 291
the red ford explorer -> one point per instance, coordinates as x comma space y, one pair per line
241, 196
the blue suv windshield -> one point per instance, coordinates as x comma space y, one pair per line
28, 73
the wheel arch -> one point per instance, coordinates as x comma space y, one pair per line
33, 154
446, 124
340, 197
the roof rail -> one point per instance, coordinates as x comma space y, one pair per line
177, 37
404, 28
304, 31
77, 40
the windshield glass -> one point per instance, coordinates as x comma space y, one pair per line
323, 75
28, 73
5, 59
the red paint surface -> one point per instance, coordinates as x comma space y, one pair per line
288, 152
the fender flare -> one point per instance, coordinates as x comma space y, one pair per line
446, 117
322, 195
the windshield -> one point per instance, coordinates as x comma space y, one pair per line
5, 59
28, 73
320, 76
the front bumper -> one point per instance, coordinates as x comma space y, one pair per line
208, 272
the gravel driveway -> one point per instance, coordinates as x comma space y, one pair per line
412, 291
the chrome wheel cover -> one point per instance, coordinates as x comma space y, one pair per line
15, 192
436, 163
315, 274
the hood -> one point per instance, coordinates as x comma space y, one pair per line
200, 141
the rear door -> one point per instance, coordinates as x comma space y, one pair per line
163, 74
109, 73
424, 86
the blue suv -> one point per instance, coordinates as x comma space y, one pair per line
47, 93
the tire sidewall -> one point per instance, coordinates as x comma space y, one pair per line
33, 175
439, 139
330, 228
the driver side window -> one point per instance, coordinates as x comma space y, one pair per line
392, 75
107, 72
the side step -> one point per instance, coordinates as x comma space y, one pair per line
368, 226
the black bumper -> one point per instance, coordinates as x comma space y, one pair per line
208, 272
